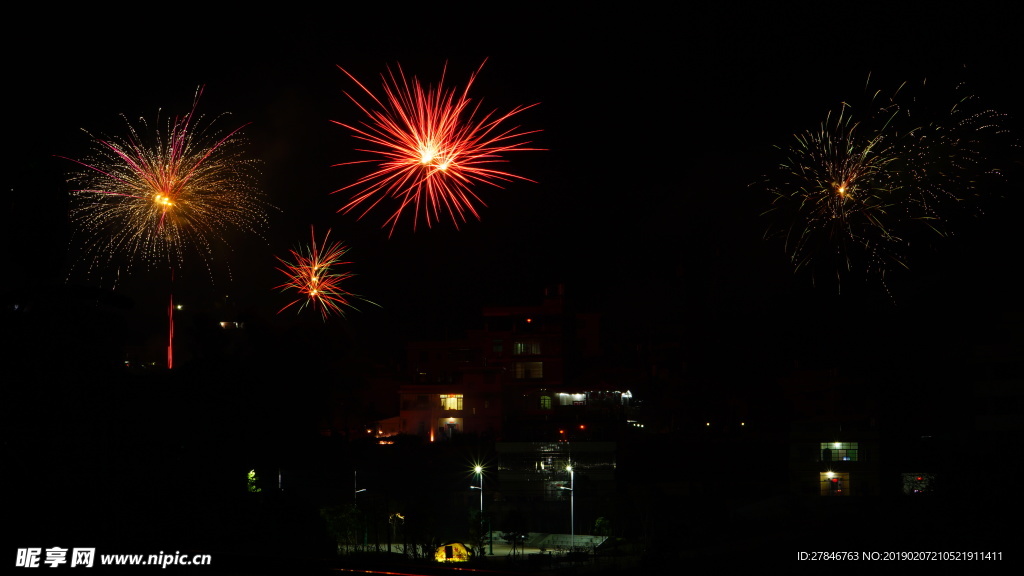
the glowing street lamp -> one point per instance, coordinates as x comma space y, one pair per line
572, 506
479, 471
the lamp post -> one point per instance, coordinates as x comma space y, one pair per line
355, 486
479, 471
572, 507
355, 501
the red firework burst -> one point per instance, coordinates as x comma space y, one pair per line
430, 147
312, 273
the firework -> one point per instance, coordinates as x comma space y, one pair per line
839, 184
851, 193
154, 195
430, 148
312, 272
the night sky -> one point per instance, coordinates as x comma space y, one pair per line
654, 124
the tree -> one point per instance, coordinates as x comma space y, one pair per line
343, 524
477, 533
516, 530
603, 527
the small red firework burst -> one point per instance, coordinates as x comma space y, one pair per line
312, 272
430, 148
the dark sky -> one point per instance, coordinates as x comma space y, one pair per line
655, 123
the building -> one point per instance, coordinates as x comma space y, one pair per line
518, 376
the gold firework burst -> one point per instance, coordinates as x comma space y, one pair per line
154, 195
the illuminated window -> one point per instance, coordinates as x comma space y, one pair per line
522, 347
529, 370
451, 401
545, 402
839, 452
834, 483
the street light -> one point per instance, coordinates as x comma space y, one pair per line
355, 501
572, 506
355, 486
479, 471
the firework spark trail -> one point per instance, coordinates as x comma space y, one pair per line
430, 148
851, 193
843, 191
312, 272
153, 199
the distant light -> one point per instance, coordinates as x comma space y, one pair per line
743, 423
529, 320
707, 423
